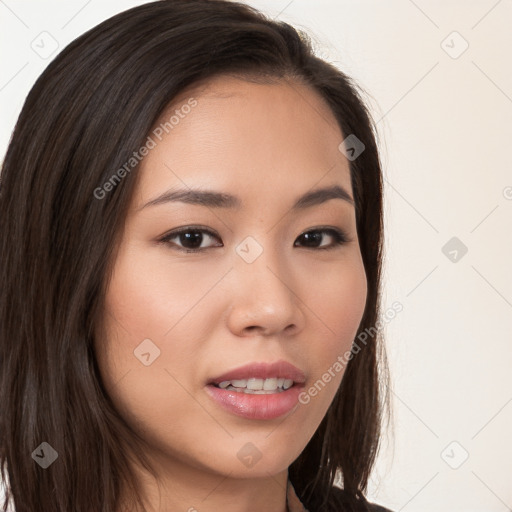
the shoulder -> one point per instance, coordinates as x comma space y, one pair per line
365, 506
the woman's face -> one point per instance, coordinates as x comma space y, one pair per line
268, 281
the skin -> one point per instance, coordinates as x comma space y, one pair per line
211, 311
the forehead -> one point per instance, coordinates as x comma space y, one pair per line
245, 137
268, 99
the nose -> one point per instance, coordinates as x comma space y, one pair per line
264, 298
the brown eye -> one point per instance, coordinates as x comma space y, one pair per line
313, 238
189, 239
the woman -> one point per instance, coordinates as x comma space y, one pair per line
191, 238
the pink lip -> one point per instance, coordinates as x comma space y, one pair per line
256, 407
279, 369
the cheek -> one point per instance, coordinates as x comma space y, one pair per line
143, 326
153, 296
337, 301
150, 304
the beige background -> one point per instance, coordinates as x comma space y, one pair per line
444, 114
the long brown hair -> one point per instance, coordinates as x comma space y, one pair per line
87, 113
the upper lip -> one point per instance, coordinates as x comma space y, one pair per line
279, 369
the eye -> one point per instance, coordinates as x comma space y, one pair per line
191, 238
314, 236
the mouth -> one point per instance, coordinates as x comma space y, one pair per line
257, 397
278, 386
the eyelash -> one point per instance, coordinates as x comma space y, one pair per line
339, 236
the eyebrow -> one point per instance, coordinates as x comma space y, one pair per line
214, 199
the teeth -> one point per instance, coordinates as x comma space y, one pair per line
270, 384
257, 386
288, 383
254, 391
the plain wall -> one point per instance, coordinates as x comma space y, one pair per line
444, 115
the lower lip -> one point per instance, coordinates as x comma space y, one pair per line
256, 407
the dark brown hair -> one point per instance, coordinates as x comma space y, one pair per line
87, 113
